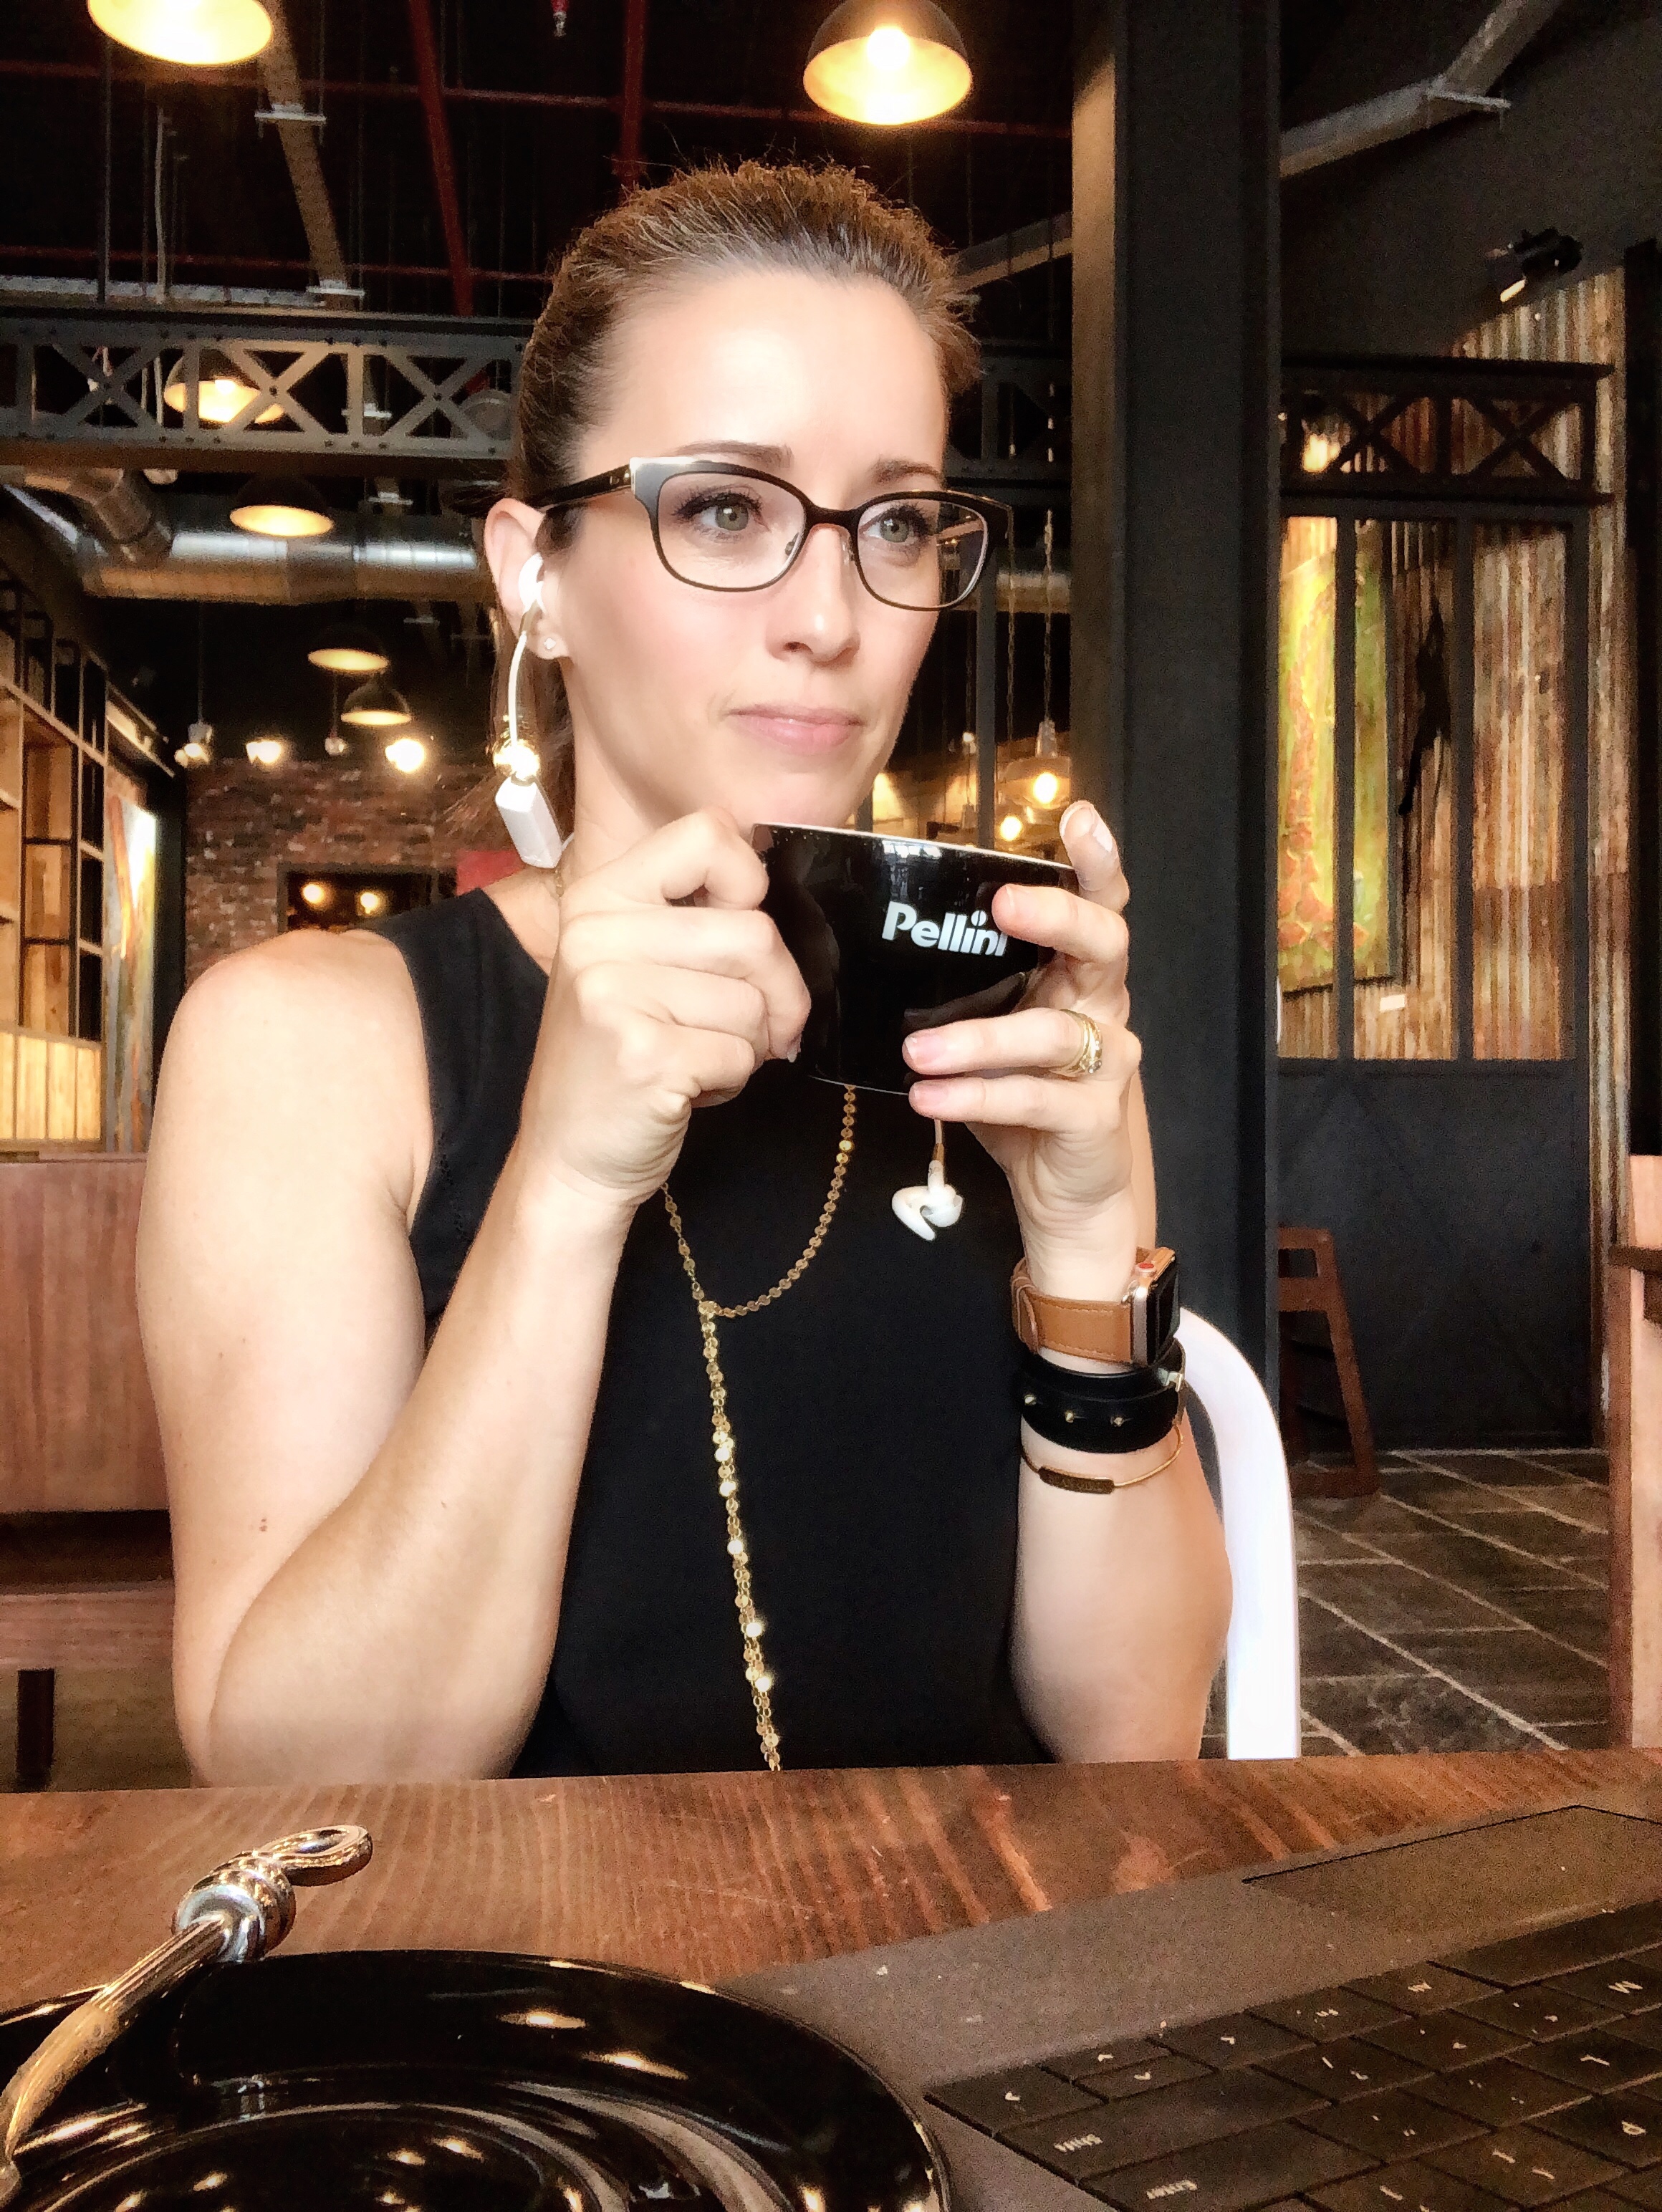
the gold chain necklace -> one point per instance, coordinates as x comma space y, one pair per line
751, 1625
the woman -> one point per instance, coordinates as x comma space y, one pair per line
436, 1395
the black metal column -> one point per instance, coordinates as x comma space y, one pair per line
1642, 273
1174, 534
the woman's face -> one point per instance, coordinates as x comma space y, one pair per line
779, 704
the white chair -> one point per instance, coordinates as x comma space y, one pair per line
1261, 1684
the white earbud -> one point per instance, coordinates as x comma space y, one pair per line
530, 588
926, 1206
521, 800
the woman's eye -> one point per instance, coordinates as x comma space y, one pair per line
899, 526
729, 515
723, 511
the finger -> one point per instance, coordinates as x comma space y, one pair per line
1091, 848
1043, 1037
1068, 924
1021, 1101
638, 1004
714, 940
703, 852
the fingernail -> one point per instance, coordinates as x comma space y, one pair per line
1084, 819
795, 1052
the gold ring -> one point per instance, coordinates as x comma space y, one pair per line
1087, 1061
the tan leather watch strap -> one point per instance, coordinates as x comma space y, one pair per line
1078, 1327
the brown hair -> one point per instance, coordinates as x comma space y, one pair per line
824, 222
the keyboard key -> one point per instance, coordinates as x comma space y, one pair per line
1596, 2063
1523, 2167
1546, 1953
1345, 2070
1167, 2120
1398, 2124
1103, 2058
1500, 2092
1620, 1985
1644, 2189
1165, 2067
1409, 2187
1539, 2011
1241, 2040
1249, 2169
1326, 2014
1443, 2040
1644, 2027
997, 2101
1421, 1988
1626, 2127
1594, 2200
1080, 2144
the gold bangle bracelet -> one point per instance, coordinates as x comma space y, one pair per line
1100, 1486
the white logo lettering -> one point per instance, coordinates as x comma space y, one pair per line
958, 933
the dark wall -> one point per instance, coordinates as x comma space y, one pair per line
1384, 252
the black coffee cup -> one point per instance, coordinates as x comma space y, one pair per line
893, 935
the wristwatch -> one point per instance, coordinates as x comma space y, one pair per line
1135, 1330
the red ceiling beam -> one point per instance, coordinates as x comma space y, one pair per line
628, 163
246, 265
438, 143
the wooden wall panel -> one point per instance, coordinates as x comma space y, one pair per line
77, 1427
1584, 322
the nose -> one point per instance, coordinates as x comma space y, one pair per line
815, 607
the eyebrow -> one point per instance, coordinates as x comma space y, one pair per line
777, 458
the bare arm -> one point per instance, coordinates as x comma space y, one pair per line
370, 1545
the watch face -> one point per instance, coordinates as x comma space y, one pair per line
1164, 1311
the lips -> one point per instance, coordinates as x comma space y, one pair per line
802, 729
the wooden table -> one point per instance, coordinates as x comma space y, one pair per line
716, 1876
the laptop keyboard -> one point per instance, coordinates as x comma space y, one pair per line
1524, 2073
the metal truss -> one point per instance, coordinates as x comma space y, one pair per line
1440, 428
336, 394
1011, 440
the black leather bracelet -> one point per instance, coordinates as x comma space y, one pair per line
1122, 1413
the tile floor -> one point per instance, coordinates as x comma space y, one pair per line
1464, 1608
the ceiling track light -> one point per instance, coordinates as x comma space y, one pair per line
200, 34
375, 705
887, 62
281, 507
1531, 257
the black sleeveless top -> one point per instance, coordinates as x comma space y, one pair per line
871, 1406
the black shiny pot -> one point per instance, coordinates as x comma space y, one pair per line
464, 2082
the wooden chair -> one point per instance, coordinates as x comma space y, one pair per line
85, 1573
1321, 1293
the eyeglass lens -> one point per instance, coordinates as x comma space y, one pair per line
735, 533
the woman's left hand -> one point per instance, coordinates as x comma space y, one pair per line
1065, 1142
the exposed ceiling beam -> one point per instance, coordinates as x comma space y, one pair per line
1028, 248
280, 74
628, 163
431, 84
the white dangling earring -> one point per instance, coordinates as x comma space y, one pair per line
521, 800
926, 1206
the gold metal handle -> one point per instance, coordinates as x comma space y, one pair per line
234, 1915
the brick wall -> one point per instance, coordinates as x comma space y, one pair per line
245, 827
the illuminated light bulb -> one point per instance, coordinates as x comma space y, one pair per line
348, 649
1047, 788
266, 752
316, 894
377, 705
373, 902
200, 34
1011, 827
334, 745
1511, 291
281, 507
222, 392
407, 754
887, 62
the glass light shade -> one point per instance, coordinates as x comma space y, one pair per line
887, 62
266, 752
222, 392
347, 649
407, 754
281, 507
375, 706
201, 33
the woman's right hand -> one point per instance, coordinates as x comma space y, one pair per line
655, 1006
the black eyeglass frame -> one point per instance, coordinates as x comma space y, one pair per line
646, 479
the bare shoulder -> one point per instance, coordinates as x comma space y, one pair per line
312, 1036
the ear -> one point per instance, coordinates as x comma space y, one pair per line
511, 531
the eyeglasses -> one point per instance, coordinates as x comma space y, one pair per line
728, 529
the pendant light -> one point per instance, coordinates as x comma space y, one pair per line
407, 754
281, 507
349, 649
887, 62
201, 33
375, 706
222, 390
